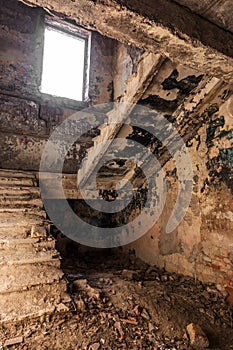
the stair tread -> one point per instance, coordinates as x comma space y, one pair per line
29, 257
7, 221
25, 202
17, 189
19, 211
15, 181
26, 276
8, 173
25, 244
28, 240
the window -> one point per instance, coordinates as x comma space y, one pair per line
65, 62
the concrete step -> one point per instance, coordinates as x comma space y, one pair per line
16, 257
23, 277
15, 181
8, 173
22, 222
8, 219
35, 302
16, 191
19, 212
22, 201
17, 231
26, 244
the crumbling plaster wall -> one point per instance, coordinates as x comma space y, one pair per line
27, 117
202, 244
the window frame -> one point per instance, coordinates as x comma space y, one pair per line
74, 31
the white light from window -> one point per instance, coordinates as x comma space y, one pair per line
63, 64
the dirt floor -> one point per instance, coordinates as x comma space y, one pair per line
122, 303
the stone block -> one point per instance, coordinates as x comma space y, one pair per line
13, 341
197, 337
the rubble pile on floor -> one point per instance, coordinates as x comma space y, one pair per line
129, 305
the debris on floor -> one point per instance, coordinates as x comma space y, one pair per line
116, 305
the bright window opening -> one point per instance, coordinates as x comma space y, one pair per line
63, 72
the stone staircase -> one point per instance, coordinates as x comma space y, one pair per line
31, 281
